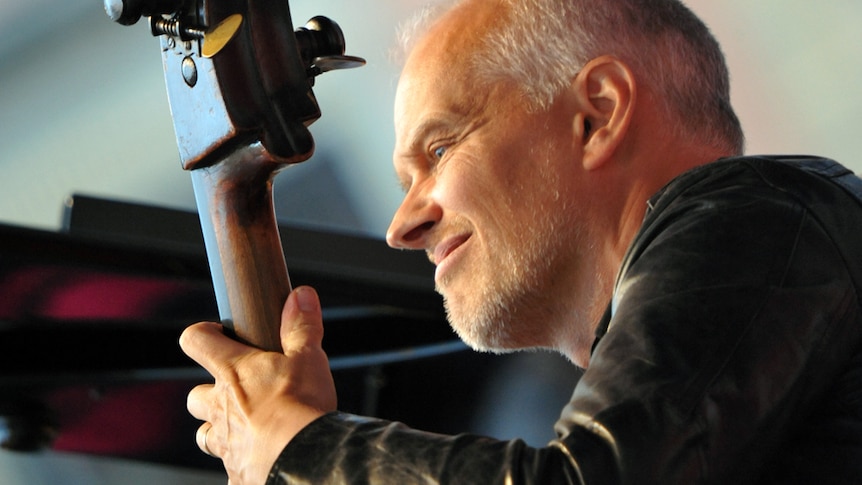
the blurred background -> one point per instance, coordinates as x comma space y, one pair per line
83, 107
83, 110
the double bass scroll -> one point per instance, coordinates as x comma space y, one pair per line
239, 82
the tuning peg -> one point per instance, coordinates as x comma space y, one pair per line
214, 39
321, 46
128, 12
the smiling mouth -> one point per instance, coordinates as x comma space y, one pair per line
444, 249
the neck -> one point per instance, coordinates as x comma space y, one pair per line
625, 189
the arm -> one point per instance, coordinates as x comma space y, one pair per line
262, 400
733, 314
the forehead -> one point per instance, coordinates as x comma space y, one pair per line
438, 75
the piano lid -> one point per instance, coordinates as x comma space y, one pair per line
107, 298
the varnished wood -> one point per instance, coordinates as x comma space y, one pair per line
250, 277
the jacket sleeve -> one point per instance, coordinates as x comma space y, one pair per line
344, 449
732, 315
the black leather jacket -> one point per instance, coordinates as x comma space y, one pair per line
731, 354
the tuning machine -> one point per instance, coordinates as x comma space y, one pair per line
166, 19
321, 46
239, 67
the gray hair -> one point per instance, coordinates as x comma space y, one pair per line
542, 44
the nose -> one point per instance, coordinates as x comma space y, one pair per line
413, 221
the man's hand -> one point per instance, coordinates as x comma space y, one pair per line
260, 400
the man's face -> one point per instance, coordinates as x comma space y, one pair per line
490, 195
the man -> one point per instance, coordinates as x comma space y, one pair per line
558, 155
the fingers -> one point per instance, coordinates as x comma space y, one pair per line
301, 320
201, 438
197, 401
301, 325
206, 344
260, 400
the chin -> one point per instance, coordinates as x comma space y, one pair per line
482, 328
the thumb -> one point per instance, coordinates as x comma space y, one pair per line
301, 320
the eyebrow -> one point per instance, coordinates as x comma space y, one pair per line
444, 124
414, 149
422, 131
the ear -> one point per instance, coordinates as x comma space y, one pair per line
605, 93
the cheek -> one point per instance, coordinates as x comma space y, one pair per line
464, 185
504, 185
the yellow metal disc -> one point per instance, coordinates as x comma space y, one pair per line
218, 37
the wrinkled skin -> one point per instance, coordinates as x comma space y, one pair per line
260, 400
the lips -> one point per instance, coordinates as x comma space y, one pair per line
445, 248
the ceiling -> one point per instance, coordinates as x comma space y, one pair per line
83, 106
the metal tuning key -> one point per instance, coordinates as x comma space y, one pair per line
218, 37
128, 12
239, 82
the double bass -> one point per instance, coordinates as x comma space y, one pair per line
239, 80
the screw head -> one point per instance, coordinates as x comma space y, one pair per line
190, 71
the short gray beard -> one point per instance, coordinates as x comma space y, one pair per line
513, 312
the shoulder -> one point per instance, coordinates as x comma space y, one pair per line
800, 179
745, 211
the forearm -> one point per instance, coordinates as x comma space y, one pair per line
343, 449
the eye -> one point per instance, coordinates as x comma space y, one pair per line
439, 151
